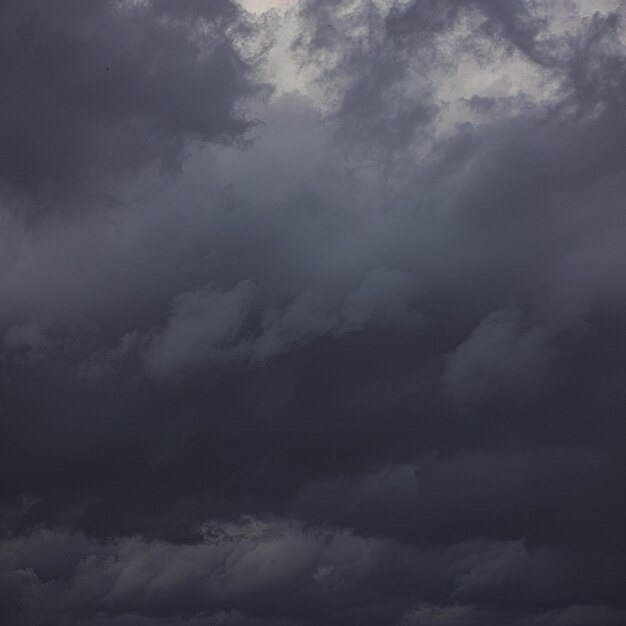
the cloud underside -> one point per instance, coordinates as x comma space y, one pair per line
312, 315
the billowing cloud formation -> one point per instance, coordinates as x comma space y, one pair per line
313, 315
202, 322
59, 576
498, 357
105, 87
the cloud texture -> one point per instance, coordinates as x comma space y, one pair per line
312, 313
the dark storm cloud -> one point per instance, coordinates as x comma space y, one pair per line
315, 571
363, 366
90, 89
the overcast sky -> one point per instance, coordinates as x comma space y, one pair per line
312, 312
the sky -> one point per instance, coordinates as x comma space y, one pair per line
312, 313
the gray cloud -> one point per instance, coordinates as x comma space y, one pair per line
106, 88
468, 615
200, 325
348, 351
237, 567
500, 357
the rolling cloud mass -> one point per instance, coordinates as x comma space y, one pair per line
313, 312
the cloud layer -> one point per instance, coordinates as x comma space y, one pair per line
313, 314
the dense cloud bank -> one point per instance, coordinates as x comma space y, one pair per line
280, 573
313, 315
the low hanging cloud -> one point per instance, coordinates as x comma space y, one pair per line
237, 567
106, 88
206, 326
201, 325
501, 357
312, 312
